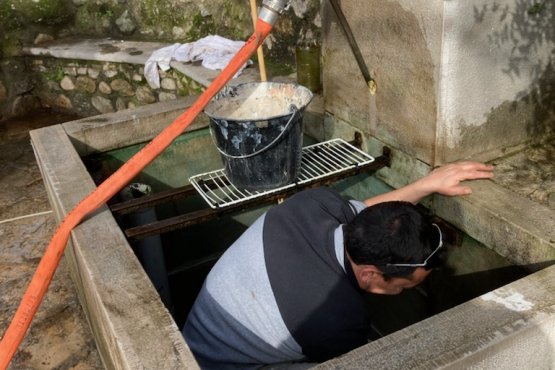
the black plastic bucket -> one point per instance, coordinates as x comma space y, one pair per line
257, 128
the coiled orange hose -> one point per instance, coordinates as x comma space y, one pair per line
49, 262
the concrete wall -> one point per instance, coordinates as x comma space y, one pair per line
401, 46
456, 79
497, 77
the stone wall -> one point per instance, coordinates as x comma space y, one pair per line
22, 21
89, 88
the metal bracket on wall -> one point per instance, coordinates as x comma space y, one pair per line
357, 141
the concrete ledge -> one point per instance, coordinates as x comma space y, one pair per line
131, 326
515, 227
101, 133
510, 328
133, 52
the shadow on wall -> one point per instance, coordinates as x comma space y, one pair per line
531, 30
542, 98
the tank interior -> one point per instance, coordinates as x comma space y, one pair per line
494, 304
474, 269
190, 251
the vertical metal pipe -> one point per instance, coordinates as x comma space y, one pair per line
149, 250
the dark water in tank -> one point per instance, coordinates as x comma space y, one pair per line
471, 270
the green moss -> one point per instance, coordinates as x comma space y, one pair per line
276, 69
108, 13
55, 73
49, 12
235, 20
201, 27
537, 8
94, 18
10, 46
9, 19
228, 18
163, 16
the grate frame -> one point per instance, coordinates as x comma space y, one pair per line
318, 161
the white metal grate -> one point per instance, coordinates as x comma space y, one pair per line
318, 161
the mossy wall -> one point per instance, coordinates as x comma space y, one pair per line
21, 21
88, 88
28, 22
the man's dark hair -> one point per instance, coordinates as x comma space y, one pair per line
391, 232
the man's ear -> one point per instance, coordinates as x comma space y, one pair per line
369, 273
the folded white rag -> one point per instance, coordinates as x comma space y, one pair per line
214, 51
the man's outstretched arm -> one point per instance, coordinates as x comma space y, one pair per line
445, 180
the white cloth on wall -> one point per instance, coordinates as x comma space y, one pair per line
214, 51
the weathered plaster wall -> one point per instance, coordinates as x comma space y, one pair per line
498, 77
401, 45
456, 79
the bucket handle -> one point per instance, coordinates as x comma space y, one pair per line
296, 112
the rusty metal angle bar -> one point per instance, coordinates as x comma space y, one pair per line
195, 217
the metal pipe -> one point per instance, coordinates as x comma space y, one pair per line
272, 9
149, 250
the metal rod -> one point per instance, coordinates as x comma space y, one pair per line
370, 82
164, 196
193, 218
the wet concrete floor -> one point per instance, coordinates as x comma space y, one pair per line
59, 336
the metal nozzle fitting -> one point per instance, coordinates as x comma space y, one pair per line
272, 9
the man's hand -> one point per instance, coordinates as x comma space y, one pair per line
446, 180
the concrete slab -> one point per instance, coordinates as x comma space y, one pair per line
102, 50
517, 228
133, 52
510, 328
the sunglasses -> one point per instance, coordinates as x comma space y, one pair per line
427, 259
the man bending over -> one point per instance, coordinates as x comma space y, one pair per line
290, 289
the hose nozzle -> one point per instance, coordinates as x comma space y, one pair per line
272, 9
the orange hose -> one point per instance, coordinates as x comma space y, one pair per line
49, 262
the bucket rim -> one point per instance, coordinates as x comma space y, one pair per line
230, 90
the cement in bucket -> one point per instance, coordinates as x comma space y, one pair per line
257, 128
